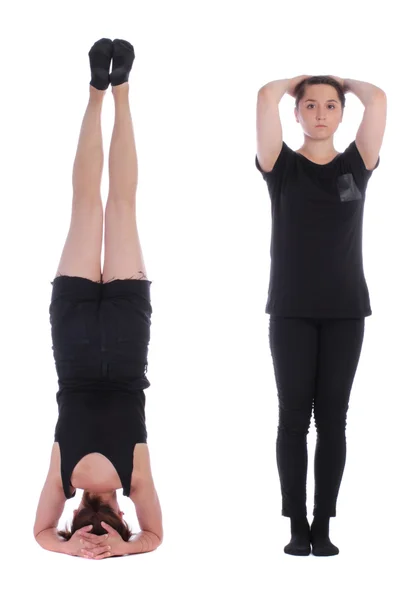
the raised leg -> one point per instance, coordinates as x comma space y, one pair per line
81, 255
123, 254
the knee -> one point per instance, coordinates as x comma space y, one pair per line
330, 423
294, 421
119, 201
87, 200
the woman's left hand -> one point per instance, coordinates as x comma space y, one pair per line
341, 81
115, 545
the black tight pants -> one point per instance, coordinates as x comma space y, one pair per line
315, 361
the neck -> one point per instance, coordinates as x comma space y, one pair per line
318, 148
106, 497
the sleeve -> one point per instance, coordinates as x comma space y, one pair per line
354, 164
280, 164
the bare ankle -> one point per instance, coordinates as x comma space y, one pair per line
96, 94
121, 89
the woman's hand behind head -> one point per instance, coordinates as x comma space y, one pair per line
94, 546
294, 82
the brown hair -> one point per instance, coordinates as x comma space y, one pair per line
93, 513
316, 80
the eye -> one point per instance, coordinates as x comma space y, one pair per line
308, 105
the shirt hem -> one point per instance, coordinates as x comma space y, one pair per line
317, 315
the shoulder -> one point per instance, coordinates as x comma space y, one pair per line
285, 154
351, 161
353, 157
55, 462
141, 469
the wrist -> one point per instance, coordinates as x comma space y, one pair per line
127, 548
65, 548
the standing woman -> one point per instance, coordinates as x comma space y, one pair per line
100, 326
318, 297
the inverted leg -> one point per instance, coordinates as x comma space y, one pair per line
123, 253
82, 249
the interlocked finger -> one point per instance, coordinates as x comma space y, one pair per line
104, 555
92, 537
96, 551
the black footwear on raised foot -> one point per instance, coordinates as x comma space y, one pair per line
123, 58
100, 56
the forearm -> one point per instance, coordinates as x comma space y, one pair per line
49, 540
366, 92
145, 541
275, 89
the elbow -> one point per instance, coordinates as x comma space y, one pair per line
160, 536
158, 539
377, 97
264, 91
380, 95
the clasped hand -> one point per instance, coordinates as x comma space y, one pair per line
89, 545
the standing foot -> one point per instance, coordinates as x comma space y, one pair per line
300, 538
319, 537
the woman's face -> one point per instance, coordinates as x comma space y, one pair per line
320, 105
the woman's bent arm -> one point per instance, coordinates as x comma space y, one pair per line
147, 506
268, 123
370, 134
50, 540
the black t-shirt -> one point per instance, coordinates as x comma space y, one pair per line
316, 245
111, 426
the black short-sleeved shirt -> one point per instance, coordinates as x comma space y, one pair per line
316, 245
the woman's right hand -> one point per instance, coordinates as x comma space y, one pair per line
292, 84
92, 548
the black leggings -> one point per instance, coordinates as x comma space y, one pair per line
315, 361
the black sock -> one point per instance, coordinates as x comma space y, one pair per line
123, 57
319, 537
100, 56
300, 537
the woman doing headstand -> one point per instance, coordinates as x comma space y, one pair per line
100, 327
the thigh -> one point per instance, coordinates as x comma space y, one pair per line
123, 253
339, 352
294, 343
82, 249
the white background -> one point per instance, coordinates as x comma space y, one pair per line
204, 222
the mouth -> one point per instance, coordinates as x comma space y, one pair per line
321, 125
